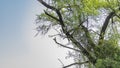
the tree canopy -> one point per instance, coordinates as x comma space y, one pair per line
90, 26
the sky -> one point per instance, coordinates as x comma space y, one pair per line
18, 46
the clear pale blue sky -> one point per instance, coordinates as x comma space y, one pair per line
18, 47
12, 16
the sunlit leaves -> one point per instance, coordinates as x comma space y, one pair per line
107, 63
76, 11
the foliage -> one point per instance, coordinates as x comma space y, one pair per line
90, 26
107, 63
108, 55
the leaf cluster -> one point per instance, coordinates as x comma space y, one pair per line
108, 54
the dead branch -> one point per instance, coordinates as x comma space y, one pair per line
77, 63
61, 62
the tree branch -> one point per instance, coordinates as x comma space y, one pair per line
55, 9
117, 16
80, 63
60, 18
104, 27
61, 62
69, 36
83, 50
65, 46
51, 16
90, 42
46, 5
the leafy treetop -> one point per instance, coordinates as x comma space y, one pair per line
91, 26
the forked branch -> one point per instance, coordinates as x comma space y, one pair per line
69, 36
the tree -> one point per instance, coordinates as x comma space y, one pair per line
90, 26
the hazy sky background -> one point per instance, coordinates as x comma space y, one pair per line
18, 46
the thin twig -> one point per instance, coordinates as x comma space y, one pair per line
61, 62
75, 64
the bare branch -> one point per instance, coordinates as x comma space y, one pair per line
46, 5
80, 63
61, 62
65, 46
104, 27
